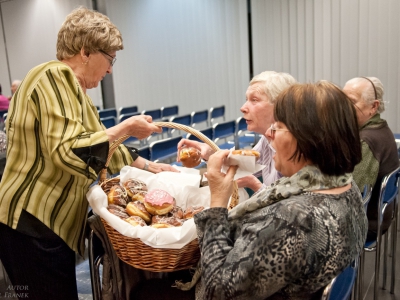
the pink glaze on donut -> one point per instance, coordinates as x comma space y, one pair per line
158, 197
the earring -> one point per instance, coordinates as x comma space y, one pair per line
84, 63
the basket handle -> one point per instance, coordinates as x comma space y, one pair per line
103, 173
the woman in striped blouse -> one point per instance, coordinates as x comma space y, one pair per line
56, 147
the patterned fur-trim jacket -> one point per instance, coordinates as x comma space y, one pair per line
288, 250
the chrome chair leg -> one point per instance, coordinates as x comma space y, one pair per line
360, 274
385, 255
94, 264
394, 246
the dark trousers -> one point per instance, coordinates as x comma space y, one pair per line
40, 268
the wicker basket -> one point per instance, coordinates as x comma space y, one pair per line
136, 253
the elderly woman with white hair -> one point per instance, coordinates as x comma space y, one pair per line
258, 110
379, 150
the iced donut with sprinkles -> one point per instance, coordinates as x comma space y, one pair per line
158, 202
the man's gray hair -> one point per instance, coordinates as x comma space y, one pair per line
368, 93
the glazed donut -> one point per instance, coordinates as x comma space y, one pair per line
138, 195
118, 211
117, 195
136, 208
190, 211
133, 184
158, 202
246, 152
190, 157
177, 212
135, 221
170, 220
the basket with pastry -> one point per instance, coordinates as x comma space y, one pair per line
149, 217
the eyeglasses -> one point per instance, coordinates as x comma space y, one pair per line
273, 129
113, 59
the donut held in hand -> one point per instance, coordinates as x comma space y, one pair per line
246, 153
158, 202
190, 157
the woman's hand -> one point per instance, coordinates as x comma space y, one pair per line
205, 150
158, 167
221, 185
137, 126
153, 167
249, 181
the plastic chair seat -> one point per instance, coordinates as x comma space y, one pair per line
341, 287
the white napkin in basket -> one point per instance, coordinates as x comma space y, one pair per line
182, 186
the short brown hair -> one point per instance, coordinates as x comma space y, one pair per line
87, 29
324, 122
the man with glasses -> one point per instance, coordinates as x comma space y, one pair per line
379, 150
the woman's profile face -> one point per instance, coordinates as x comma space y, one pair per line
98, 66
257, 110
285, 144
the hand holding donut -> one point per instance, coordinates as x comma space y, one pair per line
221, 185
204, 149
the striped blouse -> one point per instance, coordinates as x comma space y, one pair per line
269, 173
56, 146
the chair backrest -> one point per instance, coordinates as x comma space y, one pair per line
241, 124
226, 131
340, 288
199, 117
243, 137
154, 113
208, 132
217, 112
164, 149
127, 110
144, 152
123, 117
108, 112
366, 195
108, 121
389, 187
184, 120
169, 111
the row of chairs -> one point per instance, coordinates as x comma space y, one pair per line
110, 117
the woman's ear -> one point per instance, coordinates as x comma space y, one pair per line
85, 56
